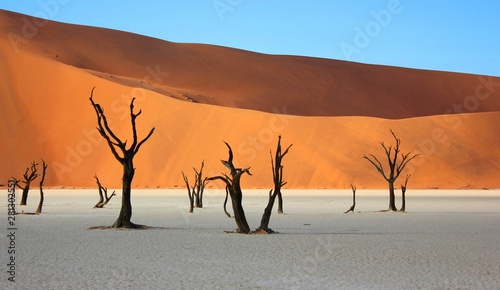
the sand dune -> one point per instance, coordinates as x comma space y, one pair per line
196, 96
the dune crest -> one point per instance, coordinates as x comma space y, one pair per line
199, 95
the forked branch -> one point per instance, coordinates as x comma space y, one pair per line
113, 141
103, 194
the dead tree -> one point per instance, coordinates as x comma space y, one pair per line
29, 175
403, 193
278, 184
191, 193
40, 203
103, 194
195, 193
233, 187
199, 185
275, 170
395, 168
126, 159
353, 199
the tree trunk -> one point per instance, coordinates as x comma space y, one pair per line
392, 197
24, 197
280, 203
125, 215
196, 199
266, 217
239, 213
191, 206
403, 193
199, 202
353, 206
403, 199
40, 204
44, 171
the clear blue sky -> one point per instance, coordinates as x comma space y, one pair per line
459, 36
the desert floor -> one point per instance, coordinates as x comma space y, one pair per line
446, 239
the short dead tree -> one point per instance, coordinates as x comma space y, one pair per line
29, 175
233, 187
278, 184
44, 172
195, 193
395, 166
126, 159
403, 193
351, 209
199, 185
103, 194
190, 193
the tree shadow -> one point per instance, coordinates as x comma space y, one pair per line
137, 227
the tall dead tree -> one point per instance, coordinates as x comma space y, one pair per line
29, 175
40, 203
275, 170
126, 159
233, 187
403, 193
103, 194
278, 184
351, 209
395, 166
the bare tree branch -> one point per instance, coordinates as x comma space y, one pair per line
105, 131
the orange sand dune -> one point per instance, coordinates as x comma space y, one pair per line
242, 79
235, 96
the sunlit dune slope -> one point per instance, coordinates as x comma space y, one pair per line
242, 79
197, 96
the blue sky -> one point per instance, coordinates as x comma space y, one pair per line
459, 36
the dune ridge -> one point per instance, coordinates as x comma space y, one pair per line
198, 95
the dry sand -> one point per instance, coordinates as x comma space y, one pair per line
446, 240
197, 95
